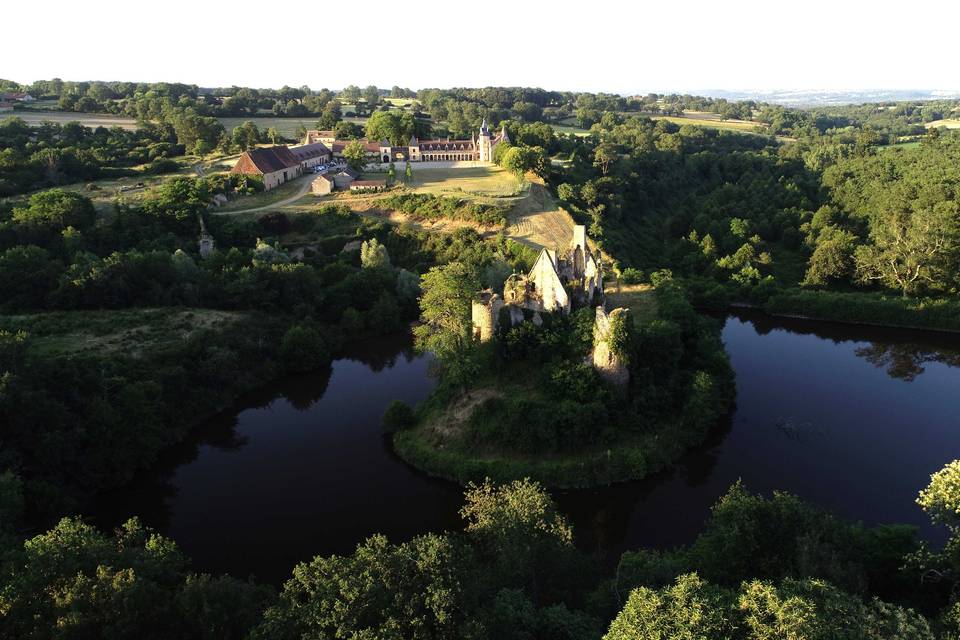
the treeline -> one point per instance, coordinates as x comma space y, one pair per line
762, 568
294, 307
37, 157
754, 215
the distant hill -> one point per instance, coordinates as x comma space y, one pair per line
814, 97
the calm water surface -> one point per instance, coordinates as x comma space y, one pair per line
854, 419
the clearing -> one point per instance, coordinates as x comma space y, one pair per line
639, 298
131, 331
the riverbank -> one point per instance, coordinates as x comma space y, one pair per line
629, 457
871, 309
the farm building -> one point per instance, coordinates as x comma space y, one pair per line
275, 164
310, 155
5, 106
279, 164
322, 185
345, 178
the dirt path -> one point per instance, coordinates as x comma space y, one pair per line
302, 191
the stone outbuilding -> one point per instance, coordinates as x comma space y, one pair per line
322, 185
343, 179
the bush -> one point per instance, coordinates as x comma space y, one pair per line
631, 276
303, 349
398, 416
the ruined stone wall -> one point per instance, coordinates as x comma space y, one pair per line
485, 313
607, 363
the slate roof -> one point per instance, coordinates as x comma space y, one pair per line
266, 160
308, 151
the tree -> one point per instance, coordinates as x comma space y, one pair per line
350, 94
604, 155
50, 212
391, 173
832, 259
373, 255
372, 96
912, 249
941, 498
689, 609
446, 326
394, 126
73, 582
330, 115
411, 590
303, 348
27, 276
408, 173
246, 136
355, 154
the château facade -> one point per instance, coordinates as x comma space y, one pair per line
478, 148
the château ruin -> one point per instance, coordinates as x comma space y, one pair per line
559, 281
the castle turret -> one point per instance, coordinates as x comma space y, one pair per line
485, 143
485, 314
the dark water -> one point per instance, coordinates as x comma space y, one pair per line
851, 418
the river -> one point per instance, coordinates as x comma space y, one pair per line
854, 419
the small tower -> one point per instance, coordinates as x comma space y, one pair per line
504, 137
485, 143
485, 314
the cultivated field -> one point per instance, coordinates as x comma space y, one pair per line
949, 124
35, 118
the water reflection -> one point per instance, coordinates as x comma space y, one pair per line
852, 418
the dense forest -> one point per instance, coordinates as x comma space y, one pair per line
117, 337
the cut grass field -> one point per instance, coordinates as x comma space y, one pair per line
482, 182
697, 118
951, 123
36, 118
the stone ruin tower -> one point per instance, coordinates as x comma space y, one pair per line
608, 364
485, 313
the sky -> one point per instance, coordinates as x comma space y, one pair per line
624, 46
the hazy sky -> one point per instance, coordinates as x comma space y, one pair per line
595, 45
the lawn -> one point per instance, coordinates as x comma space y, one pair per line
485, 182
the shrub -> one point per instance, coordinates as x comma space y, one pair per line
631, 276
303, 348
398, 416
